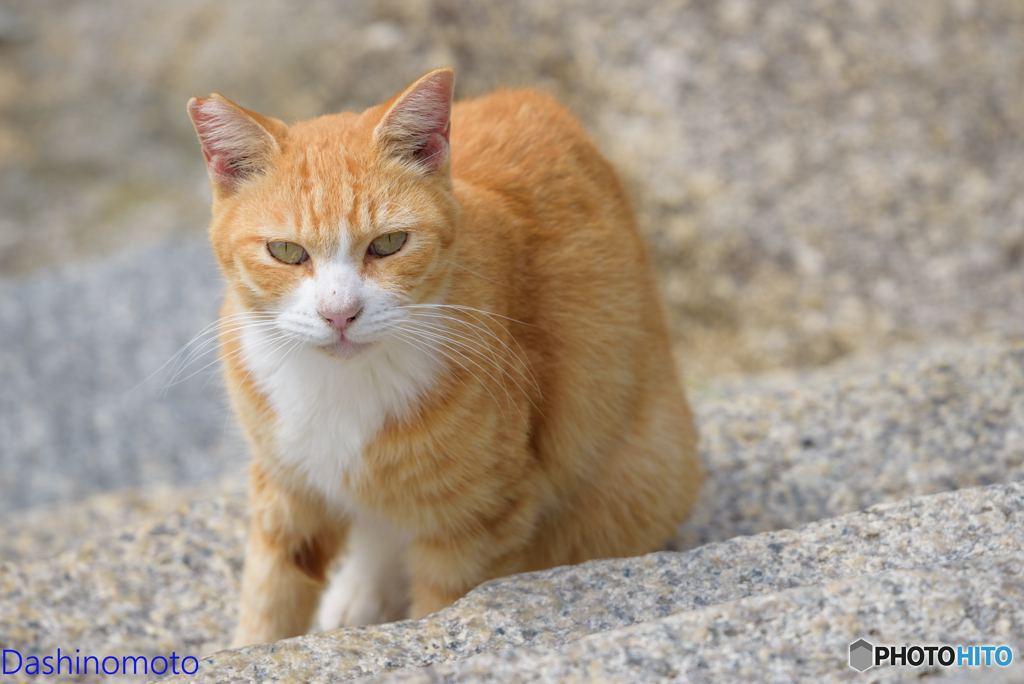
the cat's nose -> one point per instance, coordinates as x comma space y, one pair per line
339, 320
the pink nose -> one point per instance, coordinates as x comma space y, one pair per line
340, 320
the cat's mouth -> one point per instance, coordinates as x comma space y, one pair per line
345, 348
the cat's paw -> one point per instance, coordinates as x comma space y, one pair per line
358, 598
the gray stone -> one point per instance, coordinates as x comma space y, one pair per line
799, 634
170, 582
163, 585
42, 532
560, 606
86, 402
790, 448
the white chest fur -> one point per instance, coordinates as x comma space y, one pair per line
329, 409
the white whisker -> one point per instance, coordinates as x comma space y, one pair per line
209, 344
295, 343
493, 360
209, 329
466, 308
233, 355
448, 344
205, 347
456, 362
447, 334
479, 275
523, 365
443, 340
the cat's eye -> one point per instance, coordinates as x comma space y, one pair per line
288, 252
387, 245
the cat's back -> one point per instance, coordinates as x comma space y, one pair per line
535, 189
498, 129
524, 144
548, 239
545, 214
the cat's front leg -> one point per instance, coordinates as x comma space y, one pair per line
291, 545
372, 585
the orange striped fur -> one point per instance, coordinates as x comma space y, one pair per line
496, 396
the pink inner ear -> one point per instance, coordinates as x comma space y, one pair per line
419, 125
432, 154
220, 166
233, 144
203, 119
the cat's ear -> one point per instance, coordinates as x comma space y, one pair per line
418, 121
237, 144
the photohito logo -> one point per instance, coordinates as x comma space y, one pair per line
864, 655
861, 655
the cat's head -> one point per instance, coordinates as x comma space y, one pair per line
329, 226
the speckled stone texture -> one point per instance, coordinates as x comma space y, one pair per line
163, 585
171, 585
780, 451
46, 531
883, 428
90, 399
875, 429
791, 448
975, 532
798, 634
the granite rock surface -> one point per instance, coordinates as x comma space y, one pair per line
167, 584
43, 532
791, 448
780, 451
829, 583
800, 634
94, 395
171, 585
171, 582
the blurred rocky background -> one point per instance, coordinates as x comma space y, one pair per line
814, 178
831, 192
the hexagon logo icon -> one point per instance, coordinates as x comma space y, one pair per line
861, 655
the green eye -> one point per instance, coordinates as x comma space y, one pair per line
387, 245
288, 252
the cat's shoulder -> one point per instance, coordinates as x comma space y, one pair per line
510, 102
510, 111
516, 129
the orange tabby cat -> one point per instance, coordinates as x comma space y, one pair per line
443, 340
